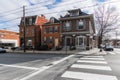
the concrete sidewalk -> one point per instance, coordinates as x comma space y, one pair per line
80, 52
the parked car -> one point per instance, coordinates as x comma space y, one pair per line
109, 48
2, 50
43, 47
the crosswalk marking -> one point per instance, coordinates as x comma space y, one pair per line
98, 62
87, 76
92, 58
91, 67
95, 63
112, 53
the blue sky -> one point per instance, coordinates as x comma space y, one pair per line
11, 10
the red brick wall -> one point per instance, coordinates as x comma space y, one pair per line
54, 34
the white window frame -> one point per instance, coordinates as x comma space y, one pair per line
80, 23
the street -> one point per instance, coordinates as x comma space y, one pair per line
95, 66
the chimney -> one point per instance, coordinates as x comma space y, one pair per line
42, 16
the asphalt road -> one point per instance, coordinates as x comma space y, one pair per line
60, 67
17, 66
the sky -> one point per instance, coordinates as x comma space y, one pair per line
11, 11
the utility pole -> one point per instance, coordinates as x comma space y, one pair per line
24, 25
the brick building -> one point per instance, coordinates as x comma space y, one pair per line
51, 33
77, 29
9, 39
32, 31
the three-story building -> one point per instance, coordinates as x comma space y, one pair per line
51, 33
33, 26
77, 29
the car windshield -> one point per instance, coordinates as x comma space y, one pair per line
0, 48
109, 46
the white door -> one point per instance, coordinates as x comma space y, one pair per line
56, 42
80, 42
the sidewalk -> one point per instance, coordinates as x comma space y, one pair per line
86, 52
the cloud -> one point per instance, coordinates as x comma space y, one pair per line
47, 7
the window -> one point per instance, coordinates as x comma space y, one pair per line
74, 13
27, 31
30, 21
33, 20
51, 29
45, 39
22, 30
56, 29
52, 20
45, 30
67, 26
27, 21
80, 24
51, 40
32, 31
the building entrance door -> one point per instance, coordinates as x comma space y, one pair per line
68, 41
56, 42
80, 42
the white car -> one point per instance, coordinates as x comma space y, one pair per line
2, 50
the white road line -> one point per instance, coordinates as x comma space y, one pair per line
56, 62
35, 73
96, 67
88, 61
92, 58
87, 76
112, 53
45, 68
24, 67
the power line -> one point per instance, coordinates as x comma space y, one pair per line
59, 11
38, 4
67, 10
10, 20
10, 10
7, 14
59, 5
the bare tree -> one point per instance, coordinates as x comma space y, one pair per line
106, 19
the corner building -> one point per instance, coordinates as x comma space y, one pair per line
77, 29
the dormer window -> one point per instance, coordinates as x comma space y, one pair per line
52, 20
67, 25
30, 21
80, 24
74, 13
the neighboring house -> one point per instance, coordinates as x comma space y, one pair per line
115, 42
51, 33
77, 29
9, 39
32, 30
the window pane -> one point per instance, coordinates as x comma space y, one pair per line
45, 30
67, 26
80, 24
56, 29
51, 30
